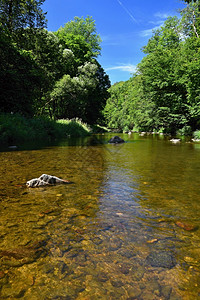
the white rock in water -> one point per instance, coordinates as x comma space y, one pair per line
45, 179
175, 141
36, 182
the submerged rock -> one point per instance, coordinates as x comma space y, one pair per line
117, 283
127, 253
44, 180
116, 140
186, 226
23, 255
102, 277
161, 259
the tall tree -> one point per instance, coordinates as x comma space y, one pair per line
21, 78
85, 28
191, 18
17, 14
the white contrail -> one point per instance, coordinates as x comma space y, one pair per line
127, 11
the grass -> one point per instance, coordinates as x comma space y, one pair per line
16, 128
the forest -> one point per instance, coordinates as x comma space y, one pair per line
164, 94
56, 75
52, 74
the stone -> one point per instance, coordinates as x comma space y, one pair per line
117, 283
134, 293
161, 259
116, 140
23, 255
97, 240
44, 180
2, 274
138, 273
166, 291
102, 277
175, 141
186, 226
127, 253
124, 268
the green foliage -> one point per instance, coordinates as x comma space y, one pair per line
20, 78
81, 96
79, 47
196, 134
85, 28
164, 94
18, 14
186, 130
45, 73
15, 128
191, 18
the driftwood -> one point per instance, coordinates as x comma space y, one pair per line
44, 180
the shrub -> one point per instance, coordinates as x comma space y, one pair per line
16, 128
196, 134
186, 130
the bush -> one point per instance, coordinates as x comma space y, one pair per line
196, 134
16, 128
186, 130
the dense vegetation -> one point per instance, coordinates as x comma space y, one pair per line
56, 75
15, 128
42, 73
164, 94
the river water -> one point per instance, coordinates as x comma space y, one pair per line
127, 227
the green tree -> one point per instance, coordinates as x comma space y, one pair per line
191, 18
81, 96
85, 28
79, 47
20, 78
17, 14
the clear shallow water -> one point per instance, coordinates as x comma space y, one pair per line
126, 228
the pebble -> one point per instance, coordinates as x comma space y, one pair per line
138, 273
152, 241
161, 259
127, 253
186, 226
102, 277
134, 293
117, 283
97, 240
2, 274
166, 291
124, 268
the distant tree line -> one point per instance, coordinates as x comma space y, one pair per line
55, 74
164, 93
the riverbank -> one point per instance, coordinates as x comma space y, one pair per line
15, 128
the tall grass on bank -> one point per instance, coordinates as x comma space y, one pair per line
16, 128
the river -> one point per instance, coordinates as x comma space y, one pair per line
127, 227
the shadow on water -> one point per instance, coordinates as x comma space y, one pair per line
127, 228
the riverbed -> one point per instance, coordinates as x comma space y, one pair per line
127, 227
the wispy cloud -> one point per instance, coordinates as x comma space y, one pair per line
161, 15
158, 21
125, 68
127, 11
148, 32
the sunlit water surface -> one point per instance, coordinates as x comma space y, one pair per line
126, 228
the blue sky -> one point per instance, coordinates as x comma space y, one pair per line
125, 26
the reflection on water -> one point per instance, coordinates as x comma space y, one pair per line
127, 228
